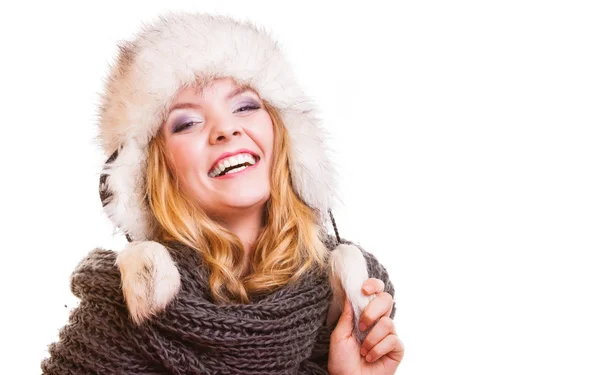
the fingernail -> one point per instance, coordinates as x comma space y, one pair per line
362, 326
368, 289
369, 358
363, 351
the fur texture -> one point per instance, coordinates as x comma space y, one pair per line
347, 274
176, 50
150, 279
179, 49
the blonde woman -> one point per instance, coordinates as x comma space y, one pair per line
220, 179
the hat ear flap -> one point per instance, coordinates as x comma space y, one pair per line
149, 277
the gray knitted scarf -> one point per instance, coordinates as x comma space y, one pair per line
282, 332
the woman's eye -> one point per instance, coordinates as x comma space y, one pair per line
248, 107
184, 126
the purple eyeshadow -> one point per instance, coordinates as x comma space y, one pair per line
180, 120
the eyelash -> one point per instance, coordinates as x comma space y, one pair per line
188, 124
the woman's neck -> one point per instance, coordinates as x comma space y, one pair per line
247, 225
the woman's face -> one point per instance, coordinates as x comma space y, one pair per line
209, 133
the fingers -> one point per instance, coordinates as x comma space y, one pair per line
380, 306
390, 346
373, 285
382, 339
345, 323
376, 286
384, 327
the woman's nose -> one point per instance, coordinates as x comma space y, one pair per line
223, 130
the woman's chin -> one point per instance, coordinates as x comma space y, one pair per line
242, 202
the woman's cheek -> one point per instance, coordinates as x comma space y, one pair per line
187, 154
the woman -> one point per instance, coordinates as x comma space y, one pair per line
219, 177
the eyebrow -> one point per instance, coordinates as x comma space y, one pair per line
237, 91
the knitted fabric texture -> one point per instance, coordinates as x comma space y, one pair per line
282, 332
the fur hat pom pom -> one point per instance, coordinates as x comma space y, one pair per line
149, 278
347, 273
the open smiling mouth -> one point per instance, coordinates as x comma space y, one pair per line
233, 164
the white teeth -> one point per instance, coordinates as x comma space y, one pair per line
236, 169
230, 161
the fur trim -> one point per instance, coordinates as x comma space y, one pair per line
122, 189
179, 49
149, 278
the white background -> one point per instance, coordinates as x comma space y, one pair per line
466, 134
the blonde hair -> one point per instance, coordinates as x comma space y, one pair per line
289, 245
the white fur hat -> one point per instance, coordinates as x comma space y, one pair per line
174, 50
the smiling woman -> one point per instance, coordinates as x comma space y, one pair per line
224, 197
219, 128
235, 214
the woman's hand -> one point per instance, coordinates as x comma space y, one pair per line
381, 351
